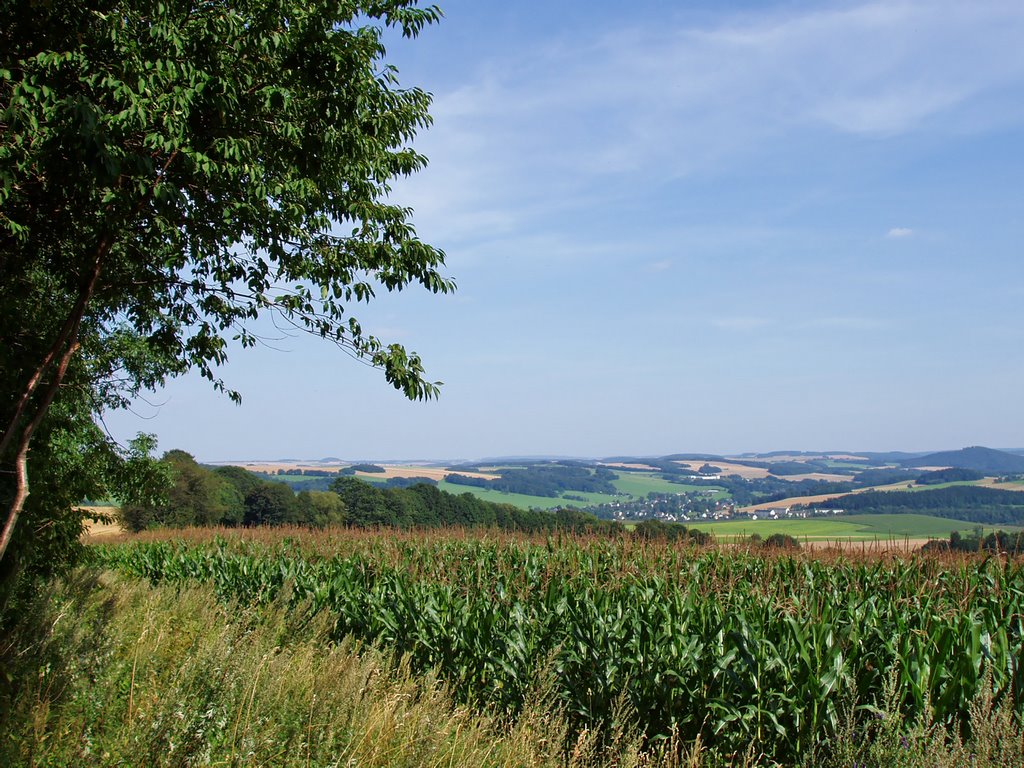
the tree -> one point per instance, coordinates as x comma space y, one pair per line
321, 508
171, 171
271, 504
197, 496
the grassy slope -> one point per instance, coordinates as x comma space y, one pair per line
521, 500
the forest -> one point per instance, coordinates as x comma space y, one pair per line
975, 504
543, 479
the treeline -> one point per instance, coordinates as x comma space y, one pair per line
659, 530
230, 496
426, 506
369, 468
316, 482
950, 475
548, 480
972, 503
999, 541
783, 468
233, 496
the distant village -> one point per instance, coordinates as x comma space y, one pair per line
719, 510
698, 506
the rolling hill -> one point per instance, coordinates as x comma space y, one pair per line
985, 460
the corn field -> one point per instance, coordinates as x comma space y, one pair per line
734, 648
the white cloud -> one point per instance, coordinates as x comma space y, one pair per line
537, 130
898, 232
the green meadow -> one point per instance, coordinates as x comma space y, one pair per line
847, 527
526, 502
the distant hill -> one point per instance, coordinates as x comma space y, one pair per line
888, 457
693, 457
986, 460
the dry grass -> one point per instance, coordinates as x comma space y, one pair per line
107, 672
905, 546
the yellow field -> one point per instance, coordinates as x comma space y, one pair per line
390, 470
728, 468
98, 531
816, 476
434, 473
620, 465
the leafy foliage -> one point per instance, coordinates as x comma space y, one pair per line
220, 161
170, 172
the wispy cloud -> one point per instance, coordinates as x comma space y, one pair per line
740, 323
535, 132
660, 266
849, 323
898, 232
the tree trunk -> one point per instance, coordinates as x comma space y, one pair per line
61, 352
21, 460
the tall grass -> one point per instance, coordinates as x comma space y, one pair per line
731, 648
509, 651
106, 671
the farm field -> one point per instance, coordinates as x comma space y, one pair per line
796, 500
632, 484
844, 527
726, 646
1012, 485
728, 468
522, 500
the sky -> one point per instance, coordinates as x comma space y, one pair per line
680, 227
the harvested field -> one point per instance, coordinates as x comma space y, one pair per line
390, 470
621, 465
434, 473
95, 531
728, 468
271, 467
815, 476
992, 482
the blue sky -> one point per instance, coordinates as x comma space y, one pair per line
675, 226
